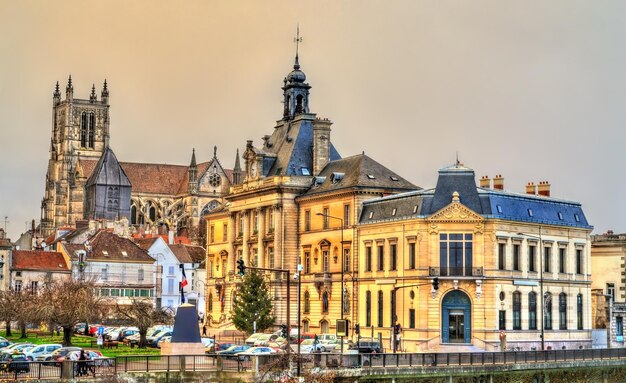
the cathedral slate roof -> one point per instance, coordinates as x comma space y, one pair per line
359, 171
154, 178
38, 260
108, 171
489, 203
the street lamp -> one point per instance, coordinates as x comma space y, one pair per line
543, 299
342, 268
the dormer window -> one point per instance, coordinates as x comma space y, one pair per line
105, 253
560, 215
394, 178
530, 212
125, 254
499, 208
393, 212
576, 218
415, 209
371, 215
336, 177
371, 177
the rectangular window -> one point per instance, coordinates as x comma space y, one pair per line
326, 218
270, 257
579, 311
610, 290
455, 254
18, 286
532, 311
104, 274
531, 258
212, 234
579, 261
548, 314
562, 311
501, 256
547, 259
140, 275
346, 260
33, 287
368, 258
271, 220
619, 326
307, 262
307, 220
225, 232
240, 224
517, 310
393, 257
170, 270
516, 265
326, 261
412, 256
170, 286
411, 318
255, 220
561, 259
381, 257
502, 320
346, 215
380, 308
368, 308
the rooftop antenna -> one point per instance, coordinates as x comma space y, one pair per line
6, 220
457, 158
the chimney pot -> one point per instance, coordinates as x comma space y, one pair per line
485, 182
498, 182
531, 188
543, 189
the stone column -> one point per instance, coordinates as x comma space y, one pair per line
278, 236
232, 227
246, 237
261, 233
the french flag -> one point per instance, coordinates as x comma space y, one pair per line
184, 282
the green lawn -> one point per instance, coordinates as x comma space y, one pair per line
82, 341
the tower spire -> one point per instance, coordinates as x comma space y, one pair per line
193, 158
237, 170
69, 89
297, 40
105, 92
92, 97
56, 96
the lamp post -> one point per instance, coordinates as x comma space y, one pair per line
342, 268
543, 299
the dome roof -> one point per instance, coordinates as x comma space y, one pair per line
296, 75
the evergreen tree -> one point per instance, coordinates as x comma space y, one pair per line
252, 303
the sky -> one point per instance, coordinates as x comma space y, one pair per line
532, 90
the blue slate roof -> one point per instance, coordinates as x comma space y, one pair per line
489, 203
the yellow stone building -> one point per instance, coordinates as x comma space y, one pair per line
494, 253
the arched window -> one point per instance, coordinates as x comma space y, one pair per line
562, 311
380, 308
299, 99
210, 302
579, 311
91, 130
305, 325
307, 302
532, 310
548, 311
368, 308
83, 130
517, 310
324, 327
325, 302
326, 261
152, 213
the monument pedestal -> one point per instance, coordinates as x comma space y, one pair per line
182, 348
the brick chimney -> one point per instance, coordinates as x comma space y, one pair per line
485, 182
543, 189
498, 182
531, 188
321, 144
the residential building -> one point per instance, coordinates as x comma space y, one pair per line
5, 261
120, 269
33, 269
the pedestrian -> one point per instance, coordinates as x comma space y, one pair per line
82, 363
204, 329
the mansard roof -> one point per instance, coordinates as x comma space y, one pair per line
37, 260
489, 203
359, 171
292, 146
108, 171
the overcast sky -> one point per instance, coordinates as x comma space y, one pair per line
532, 90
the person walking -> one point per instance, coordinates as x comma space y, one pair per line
82, 363
204, 329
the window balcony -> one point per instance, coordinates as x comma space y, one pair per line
455, 271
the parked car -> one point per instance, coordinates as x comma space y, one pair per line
252, 338
265, 339
14, 363
303, 336
326, 338
155, 340
57, 356
94, 356
309, 346
246, 355
224, 346
4, 343
367, 346
15, 348
231, 351
34, 352
165, 339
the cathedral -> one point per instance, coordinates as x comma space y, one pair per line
85, 181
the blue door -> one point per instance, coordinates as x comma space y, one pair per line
456, 318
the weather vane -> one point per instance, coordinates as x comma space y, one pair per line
297, 39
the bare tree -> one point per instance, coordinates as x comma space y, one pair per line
9, 307
142, 314
68, 303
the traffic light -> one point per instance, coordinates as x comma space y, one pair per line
241, 267
357, 328
436, 283
396, 328
283, 330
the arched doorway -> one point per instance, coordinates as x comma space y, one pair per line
456, 318
324, 327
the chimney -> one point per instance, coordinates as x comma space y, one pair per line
321, 144
32, 227
543, 189
170, 237
531, 188
498, 182
485, 182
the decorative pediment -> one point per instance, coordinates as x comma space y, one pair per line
324, 243
455, 212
